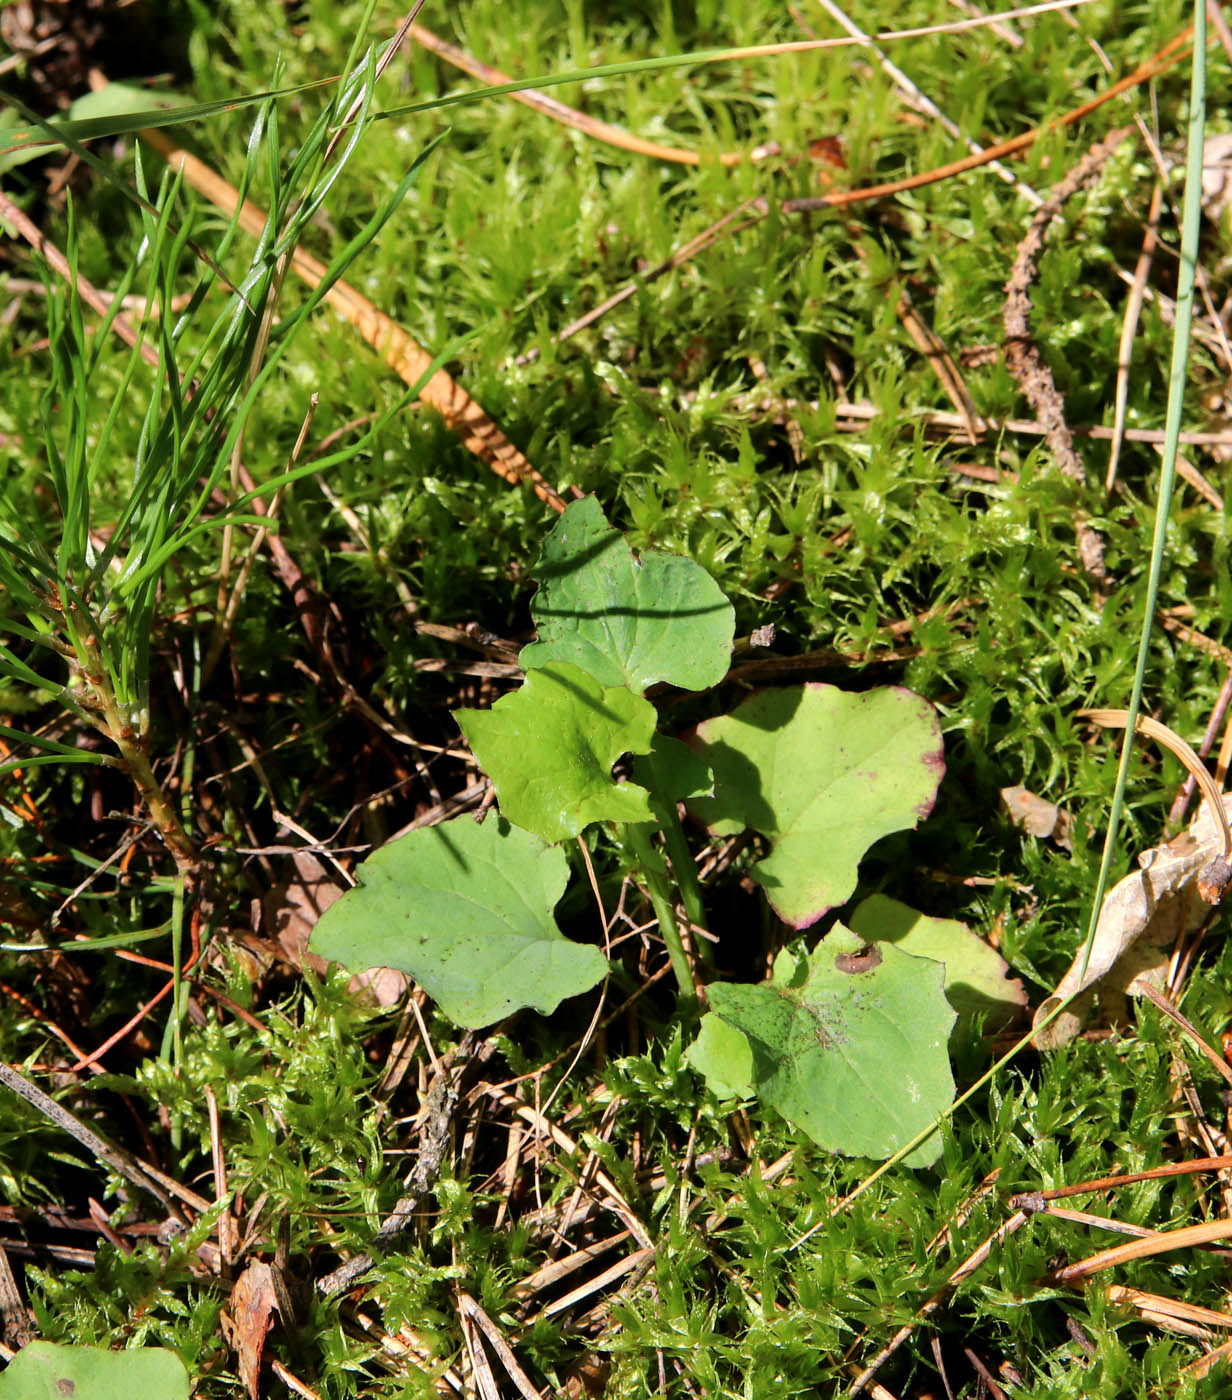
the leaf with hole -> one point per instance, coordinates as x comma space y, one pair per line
467, 911
977, 980
849, 1043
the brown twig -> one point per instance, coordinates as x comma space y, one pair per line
934, 350
1022, 355
1036, 1200
1161, 1242
1188, 1027
114, 1157
1172, 52
921, 101
1172, 741
437, 1119
470, 1308
967, 1267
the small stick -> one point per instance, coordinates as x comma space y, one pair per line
114, 1157
517, 1375
1168, 1312
1162, 1242
1172, 52
615, 1200
218, 1161
481, 1367
925, 103
438, 1108
551, 1273
1218, 714
1036, 1200
1187, 1026
291, 1381
568, 116
1002, 31
934, 350
1097, 1222
968, 1266
1022, 355
984, 1374
1204, 1365
1214, 12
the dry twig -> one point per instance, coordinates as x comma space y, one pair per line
1022, 355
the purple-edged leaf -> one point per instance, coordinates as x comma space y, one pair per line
822, 774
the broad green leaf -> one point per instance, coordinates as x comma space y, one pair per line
466, 911
549, 750
672, 771
823, 774
44, 1371
724, 1056
848, 1043
977, 980
626, 622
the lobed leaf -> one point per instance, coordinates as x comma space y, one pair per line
823, 774
625, 621
467, 911
849, 1043
549, 750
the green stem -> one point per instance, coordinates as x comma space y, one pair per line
117, 726
119, 730
684, 867
173, 1042
661, 898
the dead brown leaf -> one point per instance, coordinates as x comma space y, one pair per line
1037, 816
249, 1315
1140, 920
290, 910
289, 913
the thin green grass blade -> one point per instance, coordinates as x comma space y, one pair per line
125, 123
1177, 379
49, 751
90, 945
352, 64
